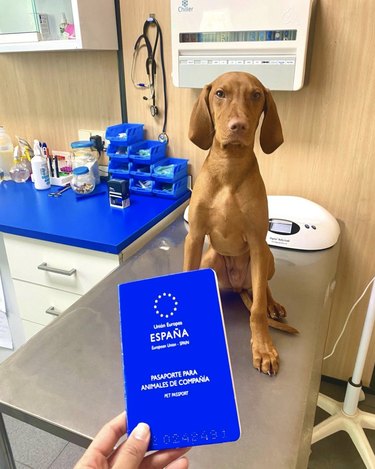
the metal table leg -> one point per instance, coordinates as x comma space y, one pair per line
6, 455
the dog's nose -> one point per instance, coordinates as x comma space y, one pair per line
237, 125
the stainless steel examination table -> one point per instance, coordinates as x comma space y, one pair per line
68, 378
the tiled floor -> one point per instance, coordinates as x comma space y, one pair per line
338, 451
35, 449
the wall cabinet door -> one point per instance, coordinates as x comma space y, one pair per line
40, 25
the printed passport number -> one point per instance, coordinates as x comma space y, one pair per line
192, 439
177, 370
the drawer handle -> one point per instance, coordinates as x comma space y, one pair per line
51, 310
45, 266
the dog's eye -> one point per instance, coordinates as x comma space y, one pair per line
220, 94
256, 95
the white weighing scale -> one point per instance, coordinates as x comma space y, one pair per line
298, 223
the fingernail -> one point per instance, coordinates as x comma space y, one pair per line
141, 431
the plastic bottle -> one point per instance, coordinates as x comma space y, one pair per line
40, 169
19, 172
63, 24
6, 152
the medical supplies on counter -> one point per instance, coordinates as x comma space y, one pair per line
144, 163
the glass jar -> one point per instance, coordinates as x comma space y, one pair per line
83, 181
85, 155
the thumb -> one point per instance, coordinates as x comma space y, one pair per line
131, 453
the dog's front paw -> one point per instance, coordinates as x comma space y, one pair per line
265, 358
276, 310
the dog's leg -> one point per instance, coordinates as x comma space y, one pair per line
265, 356
213, 260
193, 251
275, 310
247, 299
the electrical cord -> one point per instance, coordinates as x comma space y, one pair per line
347, 319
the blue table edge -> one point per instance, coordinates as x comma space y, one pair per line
93, 245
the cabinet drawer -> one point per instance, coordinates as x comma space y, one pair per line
34, 300
68, 268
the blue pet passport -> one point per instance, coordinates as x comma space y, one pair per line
177, 370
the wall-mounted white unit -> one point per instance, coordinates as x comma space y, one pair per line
266, 38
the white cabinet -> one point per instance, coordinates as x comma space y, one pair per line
34, 25
50, 277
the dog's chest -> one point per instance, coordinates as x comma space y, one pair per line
228, 210
227, 224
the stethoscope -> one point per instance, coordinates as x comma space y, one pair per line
151, 70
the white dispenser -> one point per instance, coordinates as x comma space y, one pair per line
266, 38
40, 169
6, 151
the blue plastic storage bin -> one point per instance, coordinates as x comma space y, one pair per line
119, 169
141, 186
124, 133
170, 169
171, 190
152, 150
141, 170
118, 151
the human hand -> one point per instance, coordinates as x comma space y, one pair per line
131, 453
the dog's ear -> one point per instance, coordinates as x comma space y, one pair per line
201, 129
271, 134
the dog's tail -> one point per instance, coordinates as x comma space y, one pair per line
281, 326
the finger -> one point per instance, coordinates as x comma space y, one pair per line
161, 459
131, 453
182, 463
108, 436
91, 460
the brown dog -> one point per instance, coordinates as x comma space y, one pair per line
229, 202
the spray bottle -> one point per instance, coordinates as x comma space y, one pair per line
40, 169
19, 172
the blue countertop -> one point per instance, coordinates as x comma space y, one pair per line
88, 222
